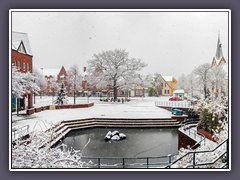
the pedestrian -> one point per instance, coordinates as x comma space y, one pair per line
122, 100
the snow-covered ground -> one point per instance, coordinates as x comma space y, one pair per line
136, 108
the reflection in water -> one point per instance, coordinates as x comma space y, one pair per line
145, 142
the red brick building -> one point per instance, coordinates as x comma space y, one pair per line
54, 76
21, 57
62, 76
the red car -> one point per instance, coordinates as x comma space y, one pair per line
175, 99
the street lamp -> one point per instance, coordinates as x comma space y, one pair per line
87, 88
41, 85
74, 93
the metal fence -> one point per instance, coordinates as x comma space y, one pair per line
170, 161
199, 138
178, 104
19, 132
193, 160
122, 162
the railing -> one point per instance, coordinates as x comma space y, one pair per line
190, 121
19, 132
134, 162
194, 134
193, 161
178, 104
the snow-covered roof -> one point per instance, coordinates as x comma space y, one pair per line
52, 72
178, 91
17, 37
168, 78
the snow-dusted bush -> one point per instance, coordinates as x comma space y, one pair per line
28, 154
213, 113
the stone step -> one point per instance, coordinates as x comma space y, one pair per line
112, 124
118, 121
65, 127
125, 126
121, 119
62, 126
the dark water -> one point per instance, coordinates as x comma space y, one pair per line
144, 142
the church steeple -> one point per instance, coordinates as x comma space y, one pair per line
219, 53
218, 59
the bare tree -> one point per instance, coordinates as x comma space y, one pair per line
23, 83
114, 69
53, 84
182, 82
40, 80
74, 80
218, 78
154, 84
18, 83
203, 74
190, 84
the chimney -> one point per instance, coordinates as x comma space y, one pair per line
84, 69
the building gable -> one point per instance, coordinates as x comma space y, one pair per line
222, 61
17, 39
21, 48
62, 74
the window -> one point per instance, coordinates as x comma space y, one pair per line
24, 66
28, 68
18, 65
14, 63
166, 91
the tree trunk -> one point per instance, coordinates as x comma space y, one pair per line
115, 90
30, 103
205, 91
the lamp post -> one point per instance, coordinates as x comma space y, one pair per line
41, 85
34, 95
87, 88
74, 93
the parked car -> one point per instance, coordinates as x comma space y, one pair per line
175, 99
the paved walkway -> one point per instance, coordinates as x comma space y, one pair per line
136, 108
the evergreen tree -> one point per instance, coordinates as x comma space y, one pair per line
62, 97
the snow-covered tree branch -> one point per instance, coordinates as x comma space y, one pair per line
28, 154
114, 69
23, 83
203, 73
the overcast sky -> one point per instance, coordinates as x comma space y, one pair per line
171, 43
